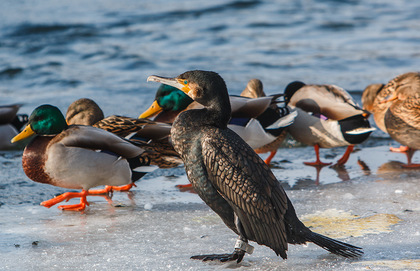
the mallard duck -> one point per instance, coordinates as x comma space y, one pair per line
10, 124
396, 110
328, 117
255, 117
84, 111
231, 178
254, 89
150, 135
76, 157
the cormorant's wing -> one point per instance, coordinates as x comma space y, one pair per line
249, 186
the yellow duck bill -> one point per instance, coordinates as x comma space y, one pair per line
27, 132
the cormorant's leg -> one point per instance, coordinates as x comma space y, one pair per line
318, 161
241, 247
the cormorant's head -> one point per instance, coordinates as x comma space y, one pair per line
369, 95
291, 89
44, 120
205, 87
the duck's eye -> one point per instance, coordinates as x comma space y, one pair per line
185, 82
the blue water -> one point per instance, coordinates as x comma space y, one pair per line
57, 51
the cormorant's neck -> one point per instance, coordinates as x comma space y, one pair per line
215, 114
219, 112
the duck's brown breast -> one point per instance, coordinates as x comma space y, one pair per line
34, 157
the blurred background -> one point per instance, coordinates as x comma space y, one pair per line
57, 51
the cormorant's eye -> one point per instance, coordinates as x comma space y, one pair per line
185, 82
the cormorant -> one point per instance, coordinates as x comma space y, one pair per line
232, 179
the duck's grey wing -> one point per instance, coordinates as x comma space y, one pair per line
89, 137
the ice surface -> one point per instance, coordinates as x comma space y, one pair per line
156, 227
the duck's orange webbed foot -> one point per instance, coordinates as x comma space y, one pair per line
67, 196
346, 156
413, 166
75, 207
108, 189
270, 157
400, 149
124, 187
318, 162
185, 188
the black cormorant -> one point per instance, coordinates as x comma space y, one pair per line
232, 179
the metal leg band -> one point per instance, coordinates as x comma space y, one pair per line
244, 246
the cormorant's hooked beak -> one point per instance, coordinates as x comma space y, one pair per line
174, 82
27, 132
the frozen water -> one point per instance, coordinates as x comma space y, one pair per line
156, 227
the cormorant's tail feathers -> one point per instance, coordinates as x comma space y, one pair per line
335, 246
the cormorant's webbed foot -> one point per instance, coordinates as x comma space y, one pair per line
237, 255
241, 247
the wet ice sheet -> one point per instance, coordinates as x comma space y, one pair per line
156, 227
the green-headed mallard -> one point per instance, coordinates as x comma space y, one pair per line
232, 179
76, 157
255, 117
396, 110
327, 117
10, 124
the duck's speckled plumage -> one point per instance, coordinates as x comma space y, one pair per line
150, 135
400, 117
